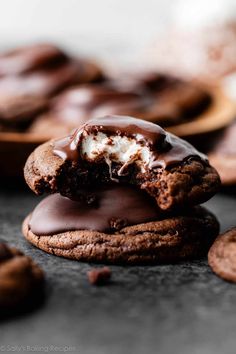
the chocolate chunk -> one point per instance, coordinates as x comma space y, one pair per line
99, 276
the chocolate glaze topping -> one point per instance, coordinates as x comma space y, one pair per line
166, 149
107, 209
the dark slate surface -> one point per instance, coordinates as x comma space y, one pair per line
181, 308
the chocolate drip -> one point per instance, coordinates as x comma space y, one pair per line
166, 148
112, 208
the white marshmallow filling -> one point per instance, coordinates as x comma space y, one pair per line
121, 149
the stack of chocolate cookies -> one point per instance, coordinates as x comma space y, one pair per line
123, 191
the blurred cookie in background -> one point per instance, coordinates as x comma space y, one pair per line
176, 100
42, 70
186, 108
31, 75
17, 112
162, 99
222, 155
21, 282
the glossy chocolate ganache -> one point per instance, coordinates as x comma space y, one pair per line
125, 140
106, 209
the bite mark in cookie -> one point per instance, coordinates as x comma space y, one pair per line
126, 140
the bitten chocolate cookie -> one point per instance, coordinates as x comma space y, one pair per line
21, 281
222, 256
124, 150
223, 155
118, 224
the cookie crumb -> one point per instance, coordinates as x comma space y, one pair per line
99, 276
118, 224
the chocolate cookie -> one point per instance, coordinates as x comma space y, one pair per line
221, 257
18, 111
223, 155
154, 97
47, 81
118, 224
77, 105
127, 150
28, 58
21, 281
29, 76
177, 100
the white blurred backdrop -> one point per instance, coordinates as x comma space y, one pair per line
109, 29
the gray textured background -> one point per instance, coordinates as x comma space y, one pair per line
179, 309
